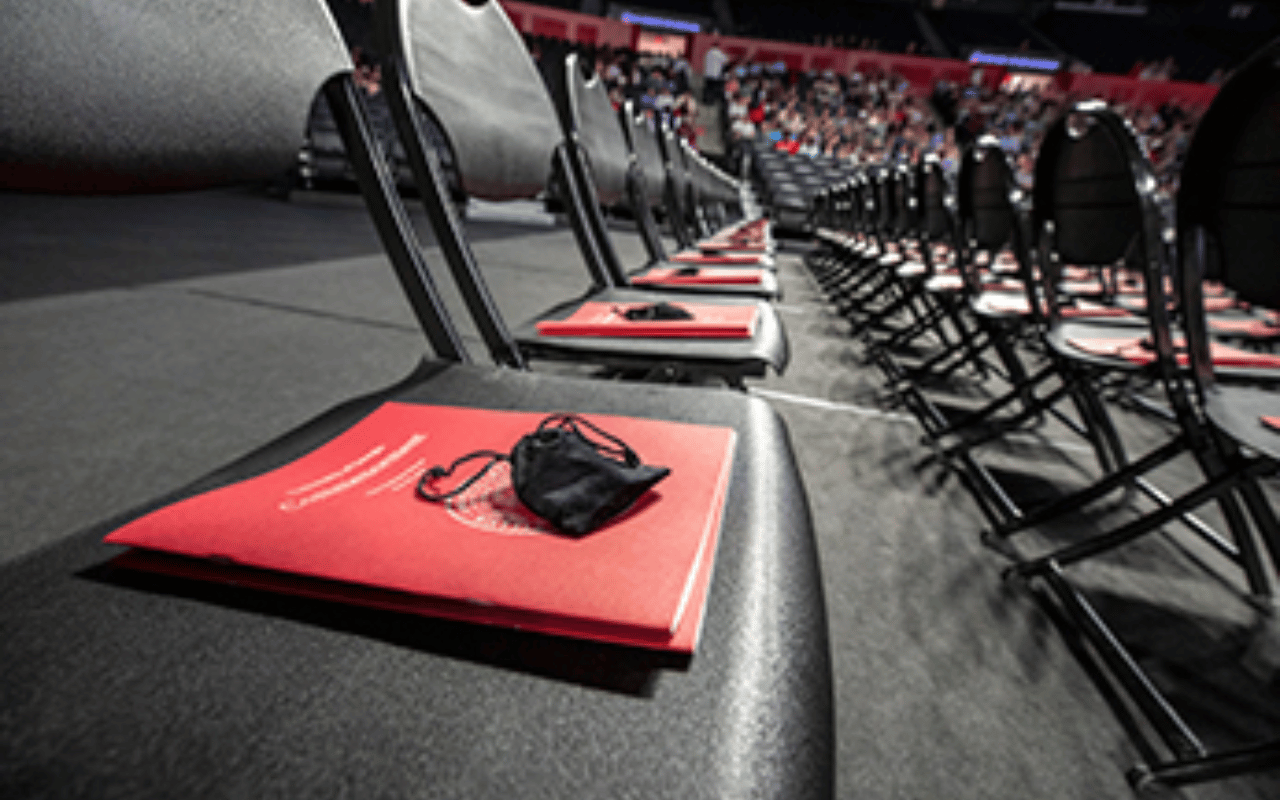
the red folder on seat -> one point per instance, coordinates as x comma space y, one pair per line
670, 276
1256, 328
1135, 351
1083, 310
345, 523
715, 257
736, 245
1211, 304
608, 319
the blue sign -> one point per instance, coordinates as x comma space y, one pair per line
1015, 61
659, 22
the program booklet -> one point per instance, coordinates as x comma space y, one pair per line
345, 523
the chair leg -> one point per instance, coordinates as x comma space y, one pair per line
1100, 430
1017, 393
1129, 532
1213, 767
1095, 491
1264, 517
1005, 425
1171, 728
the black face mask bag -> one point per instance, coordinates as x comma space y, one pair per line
559, 473
652, 311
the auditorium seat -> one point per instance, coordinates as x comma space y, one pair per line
1094, 199
466, 68
594, 136
124, 682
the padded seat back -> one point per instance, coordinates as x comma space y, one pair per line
932, 190
886, 199
715, 187
644, 143
864, 204
904, 220
723, 188
1084, 185
1230, 186
595, 121
986, 210
181, 112
676, 167
482, 94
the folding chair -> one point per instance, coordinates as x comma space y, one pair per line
732, 229
854, 275
467, 68
1090, 212
1015, 318
928, 225
717, 201
899, 270
1224, 220
691, 212
595, 139
120, 681
837, 261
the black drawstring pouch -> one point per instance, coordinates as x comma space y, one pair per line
559, 473
663, 310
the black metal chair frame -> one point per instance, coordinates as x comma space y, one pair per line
208, 662
730, 360
594, 137
1185, 758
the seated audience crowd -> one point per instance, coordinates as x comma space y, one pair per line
655, 83
878, 117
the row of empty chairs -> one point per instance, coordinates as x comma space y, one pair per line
1061, 303
790, 183
164, 687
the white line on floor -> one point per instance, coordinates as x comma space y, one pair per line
1024, 439
832, 405
787, 309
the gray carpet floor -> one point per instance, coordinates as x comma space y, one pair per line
146, 340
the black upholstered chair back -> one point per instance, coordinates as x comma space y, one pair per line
697, 175
852, 203
1085, 186
905, 216
599, 131
709, 186
836, 201
864, 205
1231, 182
933, 193
983, 196
882, 190
215, 105
676, 167
720, 186
644, 143
481, 94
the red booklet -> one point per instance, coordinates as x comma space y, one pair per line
345, 523
1017, 304
1211, 304
726, 275
609, 319
1086, 310
1133, 349
735, 245
1252, 327
1272, 422
717, 257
